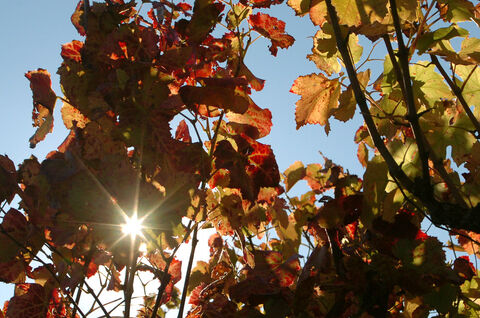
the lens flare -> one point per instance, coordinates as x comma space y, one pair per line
133, 226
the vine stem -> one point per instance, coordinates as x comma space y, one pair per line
412, 116
438, 164
130, 277
189, 270
458, 92
52, 273
362, 102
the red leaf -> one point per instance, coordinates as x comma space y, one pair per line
227, 98
273, 29
12, 271
77, 18
260, 3
182, 132
44, 99
8, 179
41, 86
259, 119
175, 271
72, 50
30, 301
195, 296
215, 242
421, 236
92, 269
464, 267
262, 166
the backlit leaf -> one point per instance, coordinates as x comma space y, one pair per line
182, 132
319, 99
273, 29
457, 10
259, 119
72, 117
301, 7
72, 50
354, 13
294, 173
221, 97
30, 301
347, 102
428, 85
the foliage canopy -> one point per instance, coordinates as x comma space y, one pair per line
349, 247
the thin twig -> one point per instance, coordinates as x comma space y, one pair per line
189, 270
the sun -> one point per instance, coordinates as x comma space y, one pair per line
133, 226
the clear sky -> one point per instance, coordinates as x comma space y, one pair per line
32, 33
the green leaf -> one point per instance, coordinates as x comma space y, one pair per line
428, 85
471, 83
293, 174
237, 14
347, 101
458, 10
354, 12
408, 9
428, 39
374, 182
442, 298
406, 156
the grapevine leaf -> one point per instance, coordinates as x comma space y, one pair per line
260, 3
72, 117
318, 12
442, 297
353, 13
72, 51
301, 7
347, 102
233, 99
13, 231
374, 183
41, 86
8, 179
77, 18
30, 301
273, 29
457, 10
428, 85
205, 16
237, 14
43, 103
259, 119
294, 173
428, 39
182, 132
319, 99
471, 90
362, 154
407, 9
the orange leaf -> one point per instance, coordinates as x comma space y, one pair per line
319, 99
72, 51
